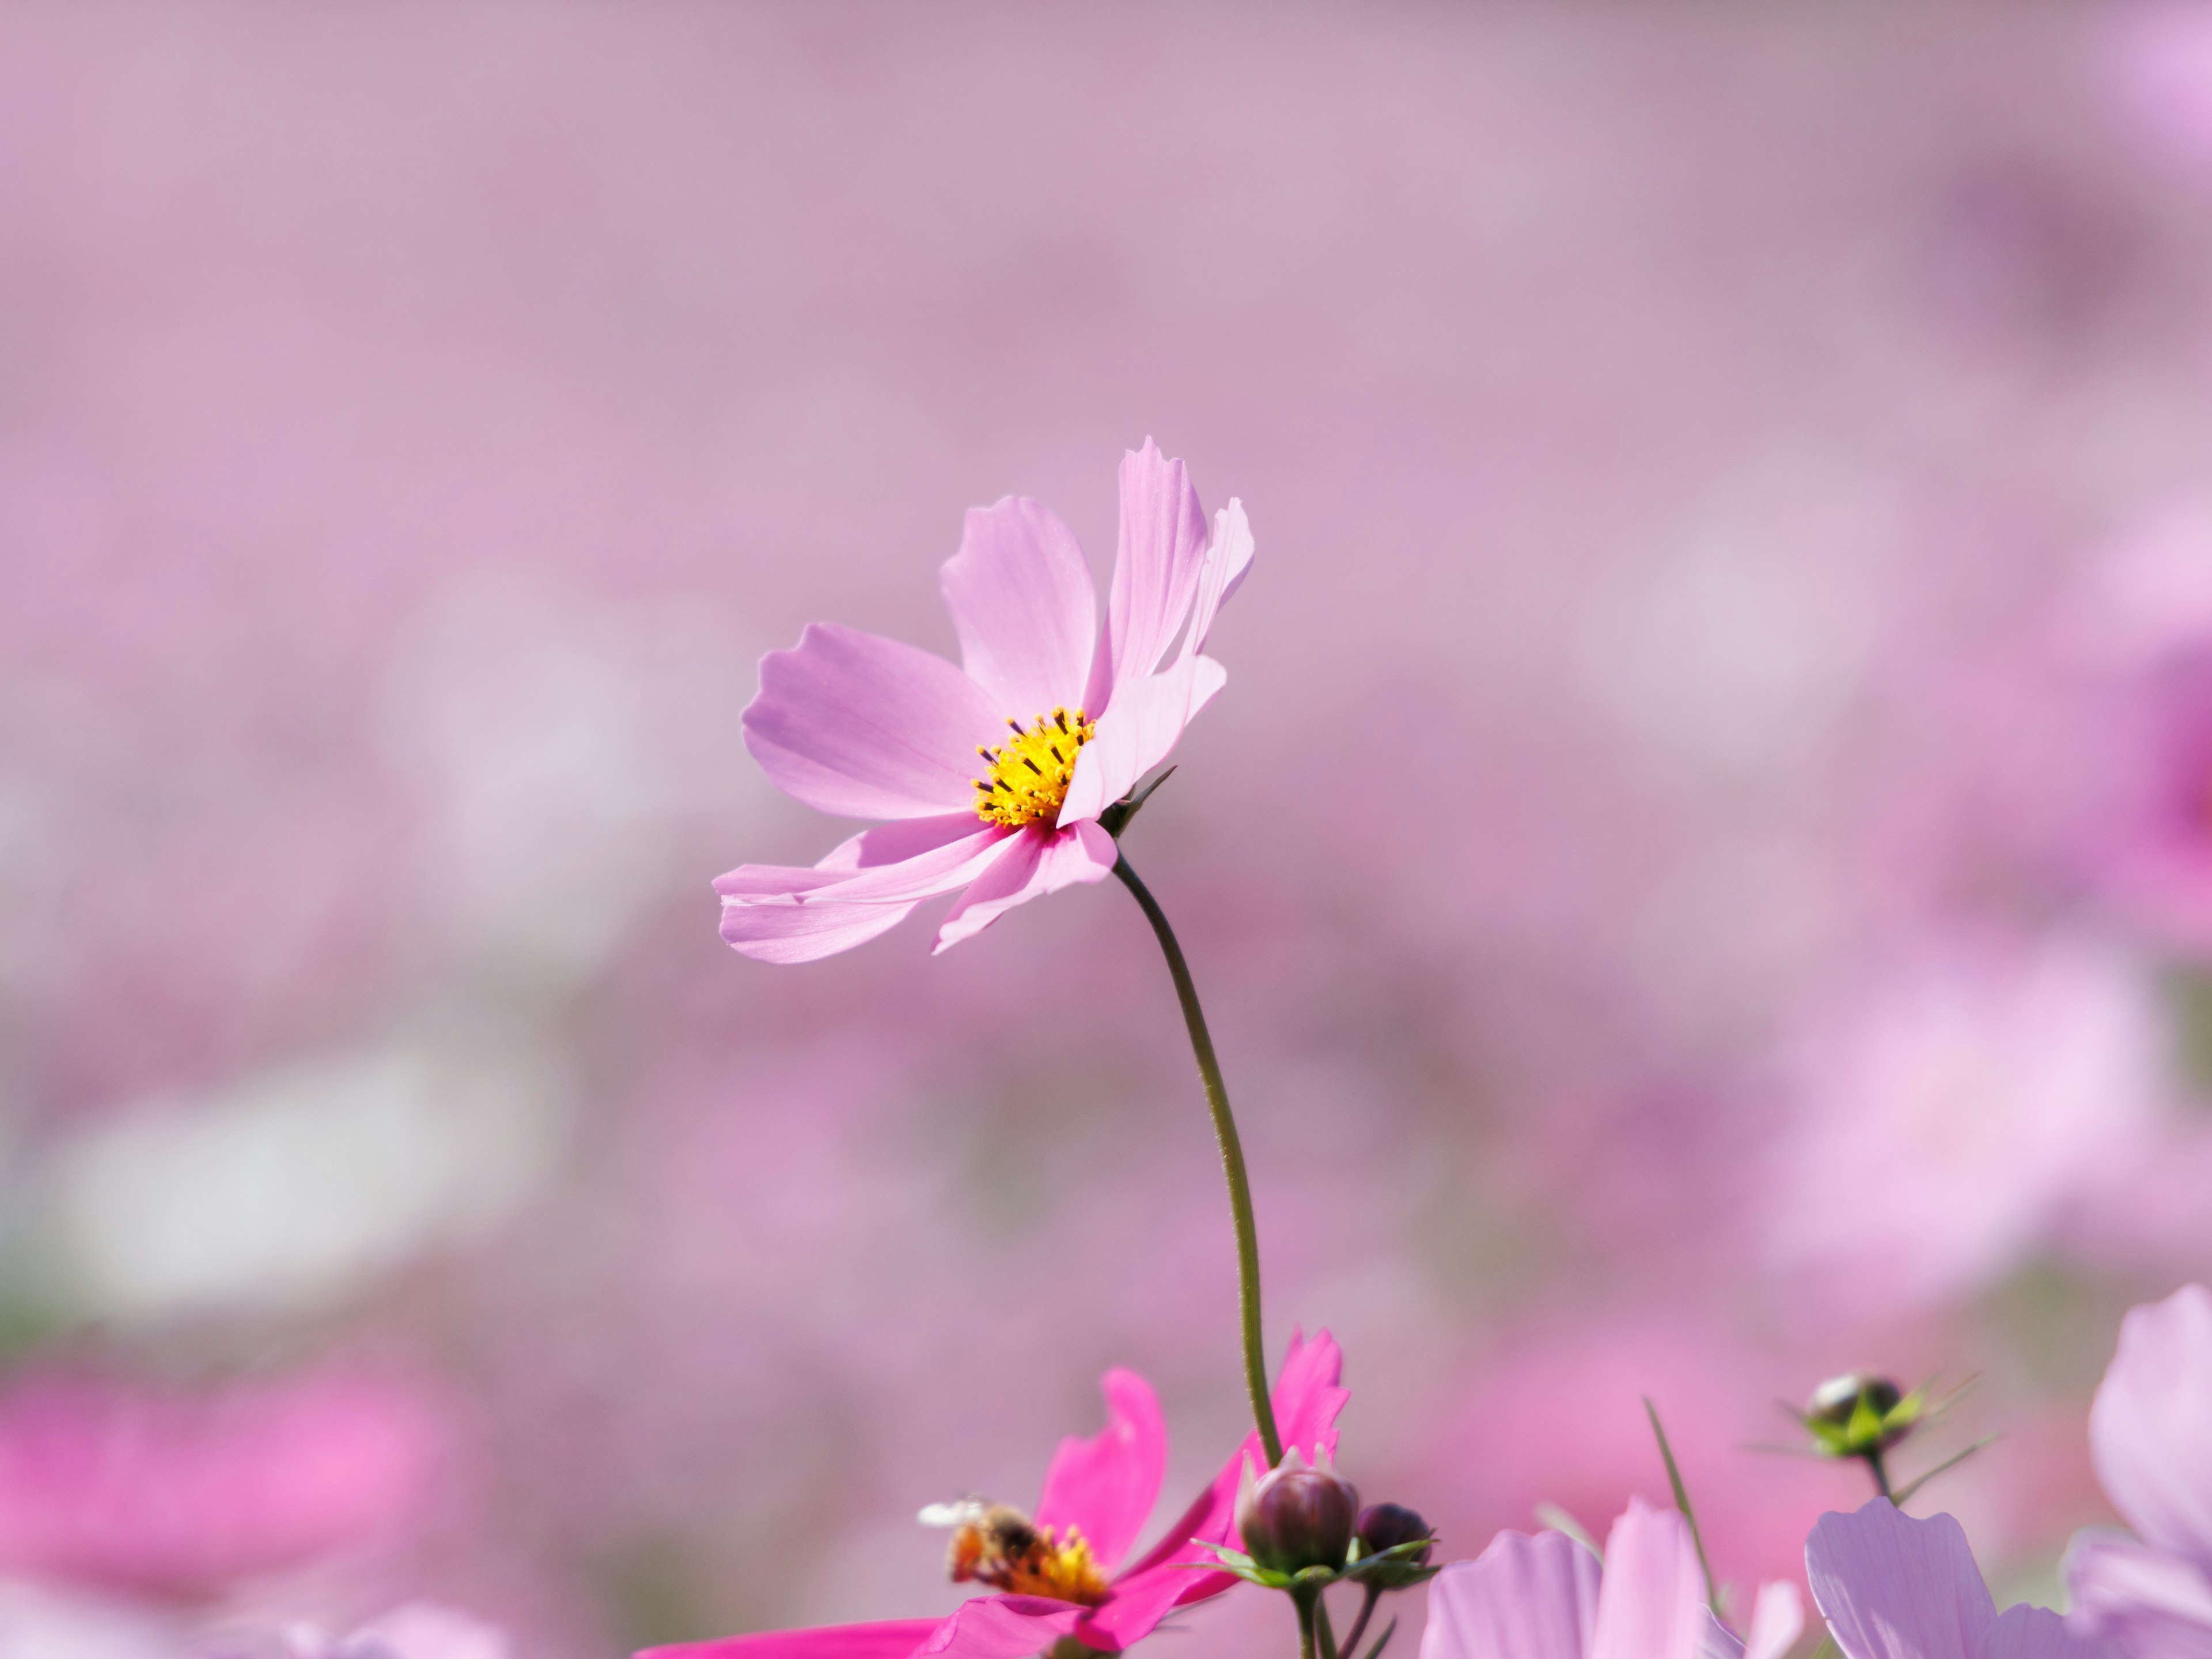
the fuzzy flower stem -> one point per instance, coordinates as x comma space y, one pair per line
1305, 1627
1351, 1643
1233, 1165
1879, 1470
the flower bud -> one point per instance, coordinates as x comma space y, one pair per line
1295, 1517
1857, 1414
1386, 1526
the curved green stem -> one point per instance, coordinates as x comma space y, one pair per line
1233, 1165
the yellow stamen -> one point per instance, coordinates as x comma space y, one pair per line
1030, 772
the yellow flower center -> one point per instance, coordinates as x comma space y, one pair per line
999, 1545
1030, 772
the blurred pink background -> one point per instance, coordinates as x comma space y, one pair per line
1702, 873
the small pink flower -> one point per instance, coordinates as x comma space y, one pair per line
1892, 1587
992, 773
1548, 1597
1101, 1489
2150, 1438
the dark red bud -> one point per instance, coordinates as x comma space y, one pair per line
1296, 1517
1386, 1526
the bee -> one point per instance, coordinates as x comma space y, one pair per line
992, 1544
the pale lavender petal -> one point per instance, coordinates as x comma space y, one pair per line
1892, 1587
1522, 1598
867, 727
788, 934
935, 869
1023, 604
2028, 1632
1777, 1619
2150, 1601
1653, 1603
884, 844
1228, 561
1155, 572
1035, 863
1717, 1641
1137, 734
1002, 1627
895, 1639
1107, 1484
2150, 1435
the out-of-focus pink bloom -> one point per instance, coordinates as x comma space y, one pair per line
1949, 1121
128, 1487
866, 727
2150, 1436
1103, 1488
2159, 62
1893, 1587
420, 1630
1547, 1597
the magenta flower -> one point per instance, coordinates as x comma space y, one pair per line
1892, 1587
994, 773
2151, 1439
1054, 1571
1548, 1597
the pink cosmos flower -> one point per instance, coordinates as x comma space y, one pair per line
1548, 1597
2151, 1440
1893, 1587
992, 773
1098, 1493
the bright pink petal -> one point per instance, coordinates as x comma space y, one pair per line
1036, 862
786, 934
1023, 604
2151, 1601
1307, 1398
2150, 1435
1777, 1619
1522, 1598
1107, 1484
1155, 572
1653, 1604
897, 1639
1892, 1587
2031, 1632
1002, 1627
867, 727
1137, 734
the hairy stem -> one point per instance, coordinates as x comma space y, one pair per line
1232, 1167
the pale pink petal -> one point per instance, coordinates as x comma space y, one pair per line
1106, 1486
1717, 1641
1023, 604
1155, 572
1002, 1627
884, 844
867, 728
1653, 1604
2150, 1435
1892, 1587
1035, 863
1228, 561
2151, 1601
2031, 1632
1522, 1598
420, 1629
935, 870
1777, 1619
1137, 734
786, 934
895, 1639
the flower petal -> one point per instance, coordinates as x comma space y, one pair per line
789, 934
867, 728
1037, 862
876, 848
1653, 1604
1522, 1598
2150, 1436
931, 870
1023, 604
1777, 1619
2149, 1600
897, 1639
1892, 1587
866, 885
2032, 1633
1155, 571
1107, 1484
1228, 561
1002, 1627
1137, 734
